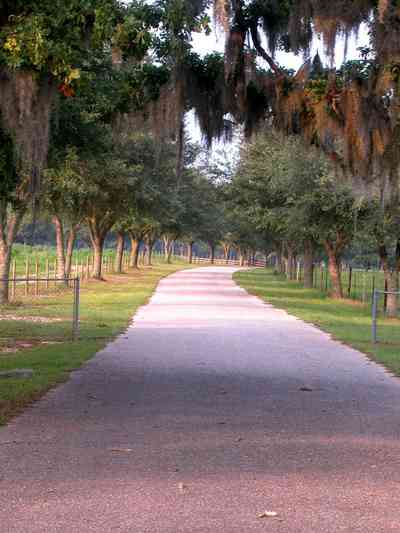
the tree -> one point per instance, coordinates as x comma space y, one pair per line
51, 52
288, 189
381, 221
12, 210
64, 189
330, 212
44, 48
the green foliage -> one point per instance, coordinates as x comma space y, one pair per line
57, 38
287, 190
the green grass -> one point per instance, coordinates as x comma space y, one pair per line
106, 308
347, 320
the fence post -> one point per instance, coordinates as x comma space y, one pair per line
75, 326
374, 316
27, 265
37, 278
385, 297
364, 289
373, 285
14, 279
350, 280
47, 272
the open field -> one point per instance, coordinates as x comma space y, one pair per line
347, 320
32, 338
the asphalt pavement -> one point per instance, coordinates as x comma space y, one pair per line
214, 412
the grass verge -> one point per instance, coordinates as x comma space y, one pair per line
348, 321
106, 309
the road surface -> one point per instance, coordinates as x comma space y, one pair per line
211, 409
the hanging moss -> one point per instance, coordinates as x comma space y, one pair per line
25, 106
8, 175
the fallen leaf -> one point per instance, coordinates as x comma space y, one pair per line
181, 487
305, 389
121, 450
268, 514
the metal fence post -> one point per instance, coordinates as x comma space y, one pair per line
374, 316
75, 326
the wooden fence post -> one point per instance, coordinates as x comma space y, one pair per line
37, 277
350, 281
47, 273
373, 284
364, 290
27, 267
14, 279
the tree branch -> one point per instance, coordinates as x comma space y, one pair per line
257, 44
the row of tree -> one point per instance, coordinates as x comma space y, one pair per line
291, 194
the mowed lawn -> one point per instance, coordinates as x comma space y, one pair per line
346, 320
45, 346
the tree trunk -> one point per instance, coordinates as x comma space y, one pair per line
168, 247
391, 279
134, 256
5, 264
190, 253
334, 260
266, 253
279, 267
290, 262
212, 253
150, 246
227, 251
242, 254
9, 225
97, 244
169, 255
60, 247
70, 249
119, 256
308, 264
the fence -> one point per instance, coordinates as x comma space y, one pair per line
358, 284
226, 262
33, 268
41, 308
368, 287
384, 329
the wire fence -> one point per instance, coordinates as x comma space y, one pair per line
385, 329
368, 287
40, 309
358, 284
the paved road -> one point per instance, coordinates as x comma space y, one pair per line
211, 409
